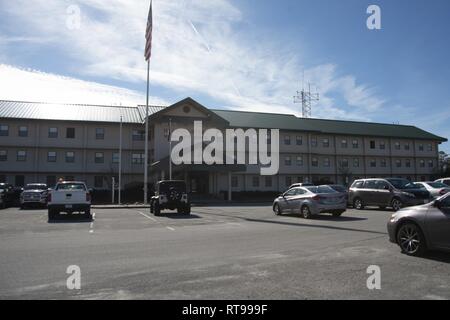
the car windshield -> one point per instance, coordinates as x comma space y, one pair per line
71, 186
437, 185
321, 189
35, 187
402, 184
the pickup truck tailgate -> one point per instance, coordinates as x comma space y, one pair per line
68, 197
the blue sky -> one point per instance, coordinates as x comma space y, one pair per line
240, 54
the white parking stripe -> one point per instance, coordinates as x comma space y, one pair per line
147, 216
170, 228
91, 226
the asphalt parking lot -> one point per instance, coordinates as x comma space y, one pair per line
217, 253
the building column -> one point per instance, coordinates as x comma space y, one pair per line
229, 186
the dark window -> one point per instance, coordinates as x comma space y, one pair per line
69, 178
372, 144
397, 146
344, 144
99, 157
326, 162
51, 156
23, 131
139, 135
53, 132
408, 163
383, 163
422, 163
4, 130
21, 155
70, 133
99, 133
288, 161
138, 158
288, 181
2, 178
98, 181
370, 184
382, 145
398, 163
326, 143
344, 163
407, 146
51, 181
382, 185
421, 148
299, 161
234, 182
70, 157
430, 163
430, 147
255, 182
313, 142
356, 163
355, 144
300, 179
20, 181
115, 157
3, 155
314, 162
373, 163
299, 140
287, 140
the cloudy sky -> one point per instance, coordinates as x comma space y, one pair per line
239, 54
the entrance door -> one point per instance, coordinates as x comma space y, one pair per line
199, 182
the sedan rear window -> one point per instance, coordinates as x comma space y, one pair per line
321, 189
437, 185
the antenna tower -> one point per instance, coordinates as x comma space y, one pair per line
305, 97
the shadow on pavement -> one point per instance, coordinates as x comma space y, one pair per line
71, 218
437, 256
326, 217
179, 216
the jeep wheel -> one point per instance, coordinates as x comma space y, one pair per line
187, 210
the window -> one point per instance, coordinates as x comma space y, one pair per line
326, 162
313, 142
70, 157
373, 163
344, 144
166, 133
98, 182
430, 163
99, 157
370, 184
288, 181
422, 163
115, 157
300, 179
382, 145
383, 163
406, 146
139, 135
21, 155
2, 178
397, 146
421, 148
255, 182
356, 162
429, 147
344, 163
53, 132
23, 131
287, 161
355, 144
382, 185
358, 184
408, 163
70, 133
398, 163
100, 133
314, 162
234, 182
287, 140
300, 161
20, 181
3, 155
138, 158
51, 156
372, 144
51, 181
4, 130
326, 143
299, 140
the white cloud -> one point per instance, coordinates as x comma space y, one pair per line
196, 48
32, 85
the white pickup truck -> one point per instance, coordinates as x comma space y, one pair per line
69, 197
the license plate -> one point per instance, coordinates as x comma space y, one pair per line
68, 206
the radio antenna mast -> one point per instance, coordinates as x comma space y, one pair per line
305, 97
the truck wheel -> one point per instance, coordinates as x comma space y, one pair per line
51, 215
187, 210
156, 209
87, 214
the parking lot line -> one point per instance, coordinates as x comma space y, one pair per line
147, 216
170, 228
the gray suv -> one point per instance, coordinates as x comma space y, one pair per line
389, 192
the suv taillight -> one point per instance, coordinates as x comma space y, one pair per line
443, 191
88, 196
316, 198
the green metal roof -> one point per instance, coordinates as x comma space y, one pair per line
242, 119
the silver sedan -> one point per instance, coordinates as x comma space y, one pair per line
310, 201
436, 189
417, 229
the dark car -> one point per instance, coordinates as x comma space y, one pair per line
389, 192
170, 194
341, 189
420, 228
7, 195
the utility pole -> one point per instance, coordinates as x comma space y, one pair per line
120, 161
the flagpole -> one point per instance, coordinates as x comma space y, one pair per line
146, 136
170, 148
120, 162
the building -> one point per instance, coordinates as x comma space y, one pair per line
41, 142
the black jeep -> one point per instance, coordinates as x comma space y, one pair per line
170, 194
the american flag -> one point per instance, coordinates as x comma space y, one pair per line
148, 34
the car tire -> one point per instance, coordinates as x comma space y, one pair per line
396, 204
337, 213
87, 214
277, 210
411, 239
156, 209
358, 204
51, 215
306, 212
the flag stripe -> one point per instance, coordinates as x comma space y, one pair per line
148, 34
